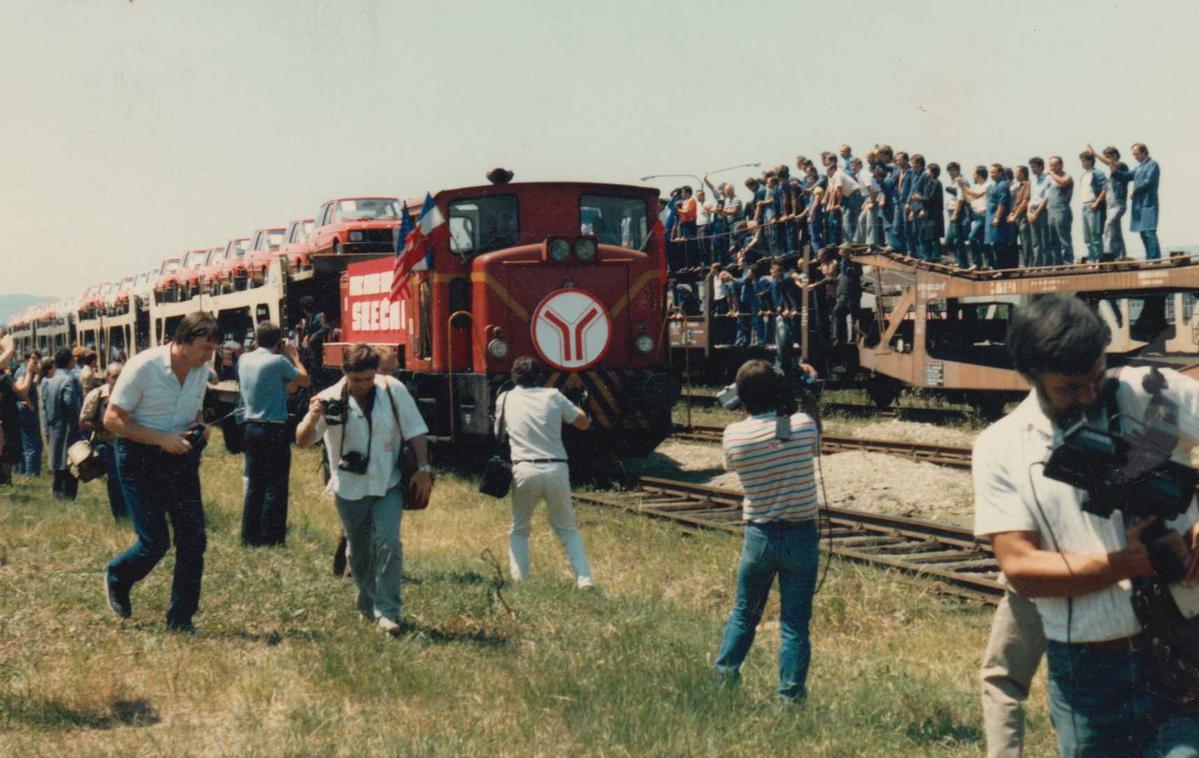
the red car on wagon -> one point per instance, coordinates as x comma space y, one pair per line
264, 245
232, 273
354, 225
295, 244
166, 286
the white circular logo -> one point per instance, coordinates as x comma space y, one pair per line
571, 330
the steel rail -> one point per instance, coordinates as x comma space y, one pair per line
948, 554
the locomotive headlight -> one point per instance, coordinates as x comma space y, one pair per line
497, 349
585, 249
643, 344
559, 250
355, 236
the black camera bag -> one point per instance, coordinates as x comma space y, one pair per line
497, 473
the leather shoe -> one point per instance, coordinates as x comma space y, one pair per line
118, 598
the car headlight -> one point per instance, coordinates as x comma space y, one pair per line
355, 236
497, 349
559, 250
585, 249
644, 344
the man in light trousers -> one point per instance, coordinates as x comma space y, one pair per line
533, 417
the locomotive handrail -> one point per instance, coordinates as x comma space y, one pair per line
449, 360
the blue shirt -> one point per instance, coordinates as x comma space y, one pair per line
1145, 178
149, 390
998, 197
263, 377
1117, 189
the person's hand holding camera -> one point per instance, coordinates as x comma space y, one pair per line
1133, 561
175, 444
316, 408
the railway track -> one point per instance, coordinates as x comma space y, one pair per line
705, 399
941, 455
949, 555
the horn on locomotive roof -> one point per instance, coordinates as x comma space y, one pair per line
499, 175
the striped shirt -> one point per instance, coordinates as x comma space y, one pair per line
777, 475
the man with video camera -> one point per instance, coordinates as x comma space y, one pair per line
365, 419
1084, 517
154, 411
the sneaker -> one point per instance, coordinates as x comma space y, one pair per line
118, 599
181, 627
585, 583
387, 626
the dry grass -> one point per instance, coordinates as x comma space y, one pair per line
282, 666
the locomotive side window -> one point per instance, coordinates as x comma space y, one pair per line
483, 223
619, 221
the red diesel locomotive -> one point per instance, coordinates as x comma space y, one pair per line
573, 273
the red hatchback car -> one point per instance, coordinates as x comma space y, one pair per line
355, 225
232, 272
295, 244
191, 272
264, 245
166, 287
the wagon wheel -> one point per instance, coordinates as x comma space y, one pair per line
883, 391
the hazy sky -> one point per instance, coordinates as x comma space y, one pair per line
133, 131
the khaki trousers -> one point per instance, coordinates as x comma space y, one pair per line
1010, 662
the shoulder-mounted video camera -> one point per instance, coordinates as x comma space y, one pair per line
804, 392
1130, 471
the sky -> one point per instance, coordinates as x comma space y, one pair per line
135, 130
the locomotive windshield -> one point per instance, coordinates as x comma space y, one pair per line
614, 220
483, 223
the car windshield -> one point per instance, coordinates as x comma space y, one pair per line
614, 220
170, 266
367, 209
236, 249
483, 223
270, 239
195, 259
306, 229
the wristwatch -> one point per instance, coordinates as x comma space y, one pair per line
424, 469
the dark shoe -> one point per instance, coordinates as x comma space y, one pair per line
118, 598
181, 627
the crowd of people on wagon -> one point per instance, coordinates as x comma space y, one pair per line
983, 217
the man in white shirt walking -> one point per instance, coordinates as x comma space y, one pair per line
365, 418
533, 417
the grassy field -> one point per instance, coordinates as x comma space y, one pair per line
282, 666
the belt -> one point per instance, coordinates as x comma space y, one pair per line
541, 460
261, 421
1135, 643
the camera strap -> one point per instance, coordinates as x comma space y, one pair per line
370, 429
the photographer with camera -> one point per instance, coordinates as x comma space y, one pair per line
266, 376
365, 418
154, 411
772, 450
532, 417
1047, 478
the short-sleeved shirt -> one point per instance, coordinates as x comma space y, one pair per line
1117, 189
1038, 190
1090, 184
770, 195
534, 417
845, 182
384, 438
1012, 494
687, 212
94, 406
732, 207
778, 476
979, 204
263, 377
1059, 197
149, 390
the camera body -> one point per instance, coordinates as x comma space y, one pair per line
195, 437
354, 462
335, 411
804, 391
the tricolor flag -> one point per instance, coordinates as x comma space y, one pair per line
417, 244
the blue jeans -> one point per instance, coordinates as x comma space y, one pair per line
832, 225
816, 231
899, 223
372, 527
158, 486
983, 254
1061, 240
788, 551
1109, 703
267, 468
31, 442
112, 480
1092, 232
784, 341
1153, 251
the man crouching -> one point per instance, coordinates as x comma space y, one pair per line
365, 419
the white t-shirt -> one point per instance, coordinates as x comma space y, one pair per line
1012, 494
1038, 190
703, 213
979, 204
149, 390
534, 417
382, 471
845, 182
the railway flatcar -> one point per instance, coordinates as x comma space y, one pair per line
573, 273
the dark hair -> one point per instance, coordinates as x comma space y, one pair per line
195, 326
1022, 171
1111, 152
527, 372
934, 169
952, 165
267, 334
1087, 155
87, 359
359, 357
759, 386
1058, 334
63, 358
1036, 160
308, 302
43, 369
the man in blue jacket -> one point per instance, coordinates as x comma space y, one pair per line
1145, 179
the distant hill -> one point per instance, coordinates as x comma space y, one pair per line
10, 304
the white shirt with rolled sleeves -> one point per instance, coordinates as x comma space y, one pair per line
1010, 484
383, 471
149, 390
534, 417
